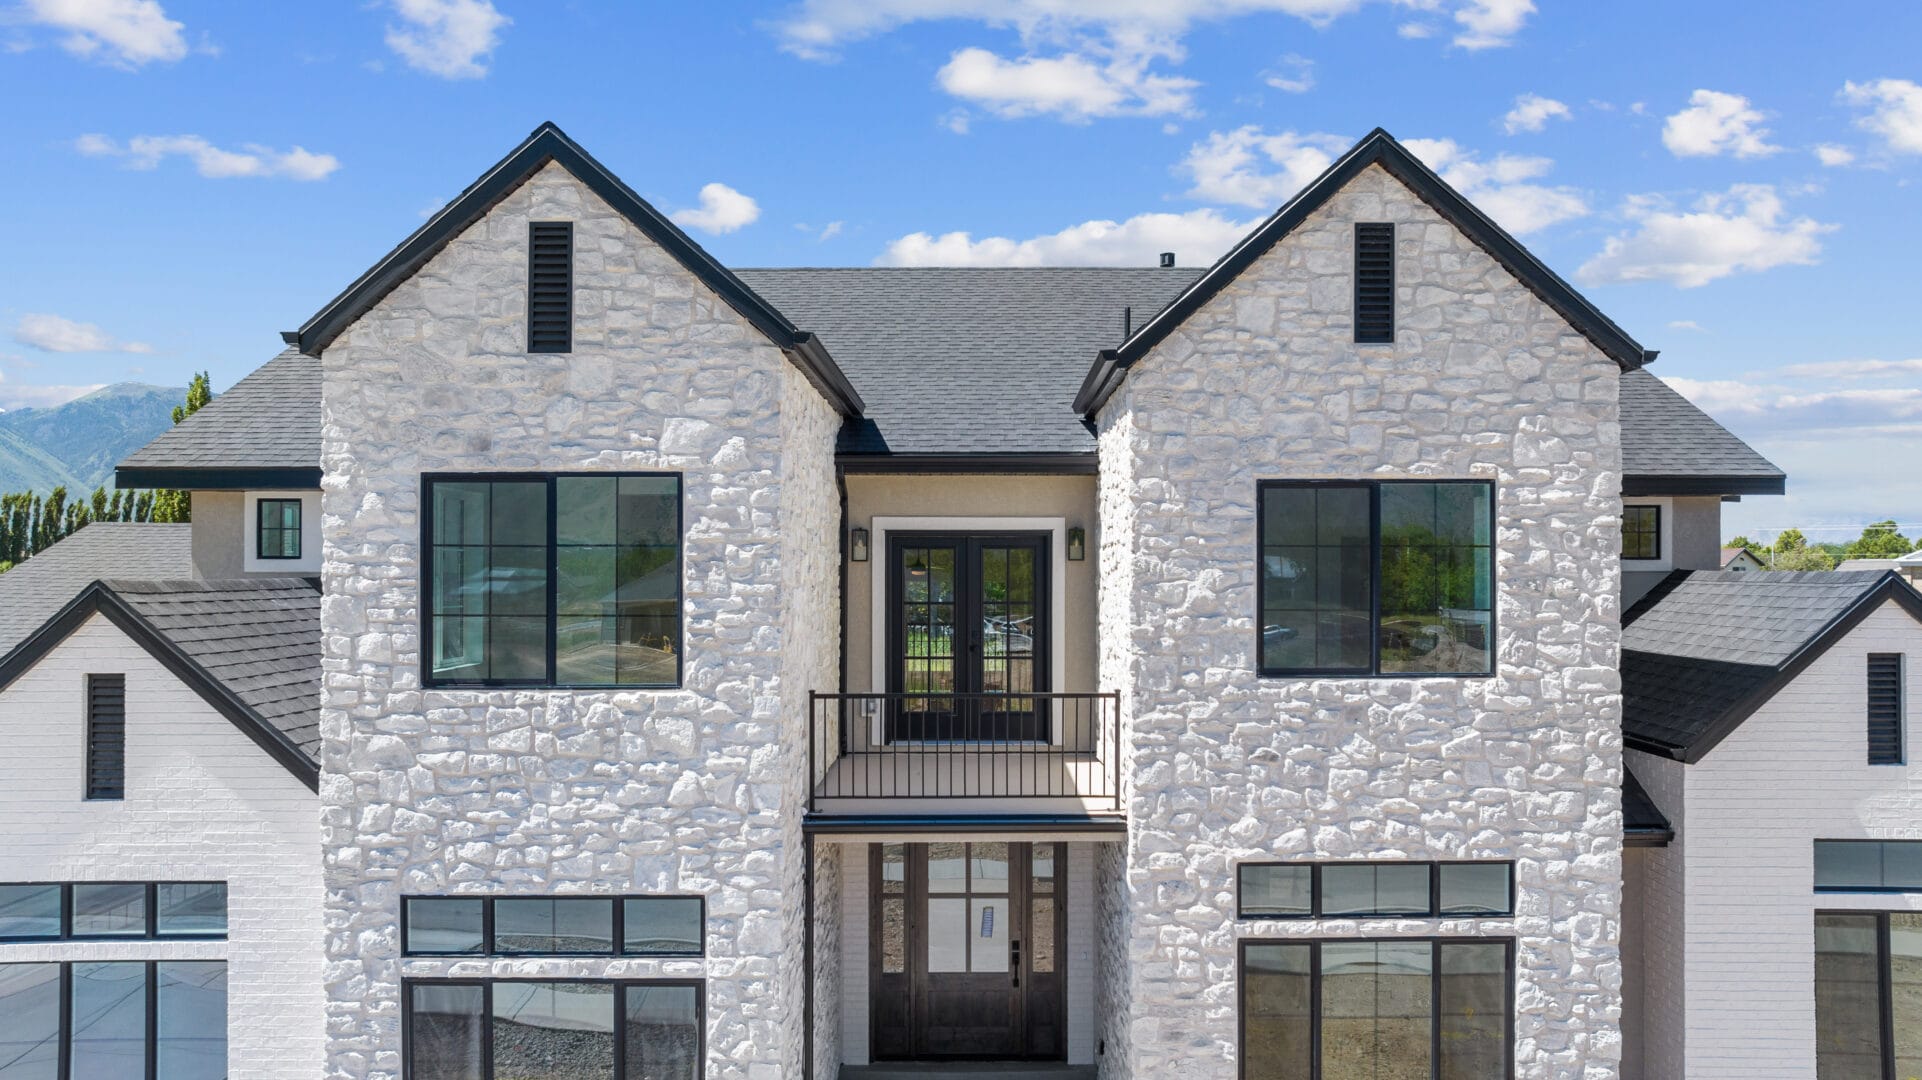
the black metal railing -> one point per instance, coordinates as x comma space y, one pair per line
965, 746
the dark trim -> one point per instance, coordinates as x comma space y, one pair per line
909, 825
260, 529
99, 598
490, 947
1373, 335
143, 477
966, 660
1647, 837
1434, 889
487, 984
539, 232
1657, 557
548, 143
807, 957
1076, 463
1378, 147
1727, 485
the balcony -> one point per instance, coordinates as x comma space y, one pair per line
960, 755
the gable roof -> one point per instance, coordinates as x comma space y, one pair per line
548, 143
250, 649
1670, 447
37, 589
1704, 649
1376, 148
263, 433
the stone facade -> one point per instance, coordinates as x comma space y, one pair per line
531, 792
1264, 382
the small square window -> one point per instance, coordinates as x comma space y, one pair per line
279, 529
1641, 532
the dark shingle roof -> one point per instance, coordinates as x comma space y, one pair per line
967, 360
1705, 648
269, 420
37, 589
1642, 820
1669, 446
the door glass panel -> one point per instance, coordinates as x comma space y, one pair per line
894, 868
1043, 860
988, 924
894, 935
109, 1034
663, 1033
947, 934
990, 863
1376, 1010
444, 1035
1041, 935
1848, 1027
947, 868
544, 1029
1277, 1010
30, 1037
1905, 987
1473, 1011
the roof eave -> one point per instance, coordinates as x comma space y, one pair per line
186, 479
1654, 485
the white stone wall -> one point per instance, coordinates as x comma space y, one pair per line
1795, 771
203, 803
694, 790
1264, 382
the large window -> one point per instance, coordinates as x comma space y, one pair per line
521, 1029
1868, 995
1641, 532
568, 580
1388, 578
1407, 1009
552, 926
1868, 866
1356, 889
158, 1020
112, 910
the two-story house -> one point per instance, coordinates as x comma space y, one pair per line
589, 660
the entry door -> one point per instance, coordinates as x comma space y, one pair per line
967, 946
968, 617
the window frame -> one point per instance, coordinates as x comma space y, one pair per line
1374, 488
1884, 975
1315, 994
260, 528
1874, 890
426, 588
150, 1008
489, 946
1314, 889
1656, 532
152, 901
408, 983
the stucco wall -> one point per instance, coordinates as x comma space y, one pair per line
693, 790
223, 536
1690, 540
1264, 381
203, 803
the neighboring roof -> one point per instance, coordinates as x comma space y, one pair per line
548, 143
1670, 447
263, 433
250, 648
1730, 555
968, 361
1376, 148
1868, 564
1705, 648
1642, 822
37, 589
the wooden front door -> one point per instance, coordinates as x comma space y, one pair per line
967, 950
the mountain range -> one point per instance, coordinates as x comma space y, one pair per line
78, 443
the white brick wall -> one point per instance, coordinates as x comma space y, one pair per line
203, 803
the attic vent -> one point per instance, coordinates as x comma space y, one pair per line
1375, 283
106, 736
1885, 708
550, 286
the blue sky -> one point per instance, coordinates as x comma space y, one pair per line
1734, 182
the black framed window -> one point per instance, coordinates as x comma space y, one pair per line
1868, 866
1372, 578
553, 926
112, 910
277, 529
496, 1029
1868, 994
569, 580
152, 1019
1408, 1007
1641, 532
1375, 889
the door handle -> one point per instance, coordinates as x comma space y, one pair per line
1014, 961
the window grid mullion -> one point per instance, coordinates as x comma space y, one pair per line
487, 1030
153, 1018
552, 630
1434, 1006
1885, 978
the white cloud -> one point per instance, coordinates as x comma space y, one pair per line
450, 38
1717, 123
1895, 111
125, 33
148, 151
1500, 186
1686, 324
831, 230
52, 333
722, 210
1198, 237
1745, 229
1532, 112
1248, 167
1832, 155
1853, 369
1071, 86
1293, 75
22, 396
1489, 24
1886, 411
1415, 31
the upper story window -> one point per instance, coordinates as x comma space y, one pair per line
277, 529
1355, 889
570, 580
1886, 710
552, 926
90, 910
1376, 578
1641, 532
550, 286
1375, 283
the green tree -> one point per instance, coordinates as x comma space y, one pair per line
1879, 540
1803, 558
1790, 540
171, 505
1755, 548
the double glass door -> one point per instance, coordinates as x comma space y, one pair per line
968, 635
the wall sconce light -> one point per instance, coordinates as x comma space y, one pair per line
1077, 544
858, 545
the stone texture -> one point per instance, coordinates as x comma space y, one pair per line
1222, 766
694, 790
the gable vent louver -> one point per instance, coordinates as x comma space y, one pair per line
1885, 708
550, 286
106, 736
1375, 283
